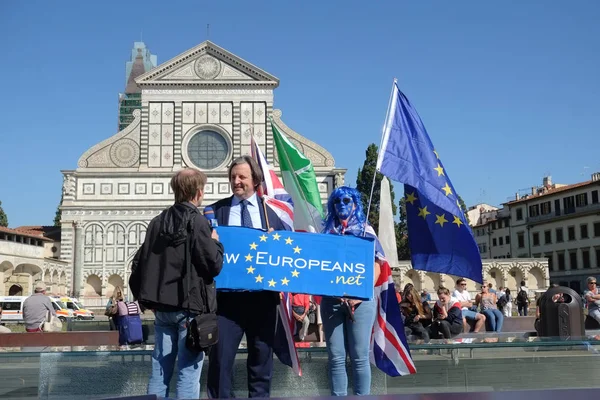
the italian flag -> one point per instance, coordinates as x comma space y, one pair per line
300, 182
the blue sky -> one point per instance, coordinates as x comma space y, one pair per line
507, 90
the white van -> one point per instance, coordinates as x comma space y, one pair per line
12, 308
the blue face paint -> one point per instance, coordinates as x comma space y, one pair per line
344, 206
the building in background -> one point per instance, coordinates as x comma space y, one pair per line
141, 62
199, 110
29, 254
558, 222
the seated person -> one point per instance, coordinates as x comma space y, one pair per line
592, 298
469, 311
417, 315
447, 314
487, 302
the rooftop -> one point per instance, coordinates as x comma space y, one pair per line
47, 233
547, 191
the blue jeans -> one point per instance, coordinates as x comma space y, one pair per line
338, 329
494, 319
170, 331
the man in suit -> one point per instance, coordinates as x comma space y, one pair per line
253, 313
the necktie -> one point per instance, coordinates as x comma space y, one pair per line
246, 220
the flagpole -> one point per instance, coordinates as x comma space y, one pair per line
297, 184
385, 122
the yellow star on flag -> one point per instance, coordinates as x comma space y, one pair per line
288, 241
410, 198
457, 221
436, 154
253, 246
263, 238
250, 269
447, 189
423, 212
272, 283
297, 249
249, 257
259, 279
439, 170
276, 236
295, 273
285, 281
441, 219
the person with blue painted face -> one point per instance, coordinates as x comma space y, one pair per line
347, 320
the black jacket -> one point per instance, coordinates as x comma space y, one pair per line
158, 271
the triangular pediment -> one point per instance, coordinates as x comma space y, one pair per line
207, 65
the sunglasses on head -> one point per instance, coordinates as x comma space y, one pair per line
346, 200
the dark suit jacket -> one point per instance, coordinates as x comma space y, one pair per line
222, 208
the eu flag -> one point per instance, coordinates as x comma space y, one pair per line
439, 237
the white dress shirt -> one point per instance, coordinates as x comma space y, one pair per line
235, 212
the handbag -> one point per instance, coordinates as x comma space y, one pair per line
202, 331
111, 308
51, 323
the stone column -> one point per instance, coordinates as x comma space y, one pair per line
77, 259
567, 260
593, 259
579, 253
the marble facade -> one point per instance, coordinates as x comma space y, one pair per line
199, 109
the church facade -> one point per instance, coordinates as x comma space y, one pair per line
198, 110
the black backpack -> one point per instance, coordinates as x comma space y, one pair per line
522, 298
502, 301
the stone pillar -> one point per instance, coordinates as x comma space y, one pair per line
77, 259
567, 260
593, 259
579, 265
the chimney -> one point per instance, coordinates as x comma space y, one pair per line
533, 190
547, 181
517, 196
596, 176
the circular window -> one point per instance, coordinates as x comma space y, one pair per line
207, 149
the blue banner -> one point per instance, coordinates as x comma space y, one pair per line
297, 262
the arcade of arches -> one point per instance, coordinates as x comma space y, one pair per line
506, 273
19, 276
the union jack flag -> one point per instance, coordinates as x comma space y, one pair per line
271, 189
389, 348
279, 200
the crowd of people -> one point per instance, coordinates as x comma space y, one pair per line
457, 312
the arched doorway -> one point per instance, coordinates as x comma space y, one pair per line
412, 276
93, 286
15, 290
514, 278
113, 281
536, 279
494, 276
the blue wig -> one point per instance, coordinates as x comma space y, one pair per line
358, 218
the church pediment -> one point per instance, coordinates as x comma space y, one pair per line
119, 151
207, 65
